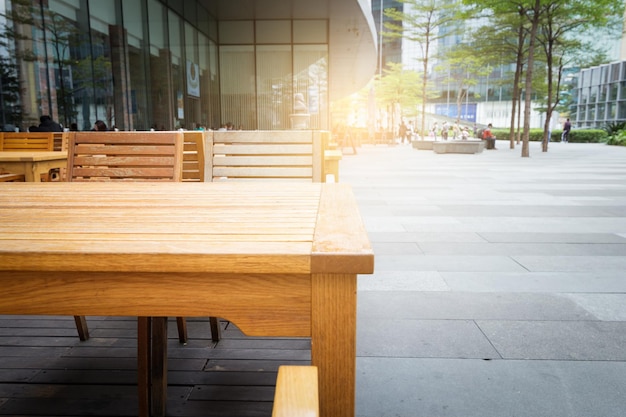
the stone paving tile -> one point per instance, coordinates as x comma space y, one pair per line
403, 387
555, 282
423, 339
402, 281
557, 340
450, 305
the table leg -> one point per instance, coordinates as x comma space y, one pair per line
144, 336
29, 172
333, 342
152, 365
159, 366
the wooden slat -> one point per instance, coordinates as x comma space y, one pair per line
263, 160
125, 156
296, 392
27, 141
262, 172
263, 136
263, 149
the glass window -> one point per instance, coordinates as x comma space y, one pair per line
101, 16
273, 31
610, 111
622, 90
178, 69
310, 63
615, 72
236, 32
613, 88
622, 110
237, 84
161, 93
310, 31
156, 25
208, 82
137, 68
600, 112
274, 87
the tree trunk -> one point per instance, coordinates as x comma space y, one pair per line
516, 90
529, 77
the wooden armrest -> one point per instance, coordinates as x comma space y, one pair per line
296, 392
332, 154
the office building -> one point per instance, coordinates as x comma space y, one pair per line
165, 64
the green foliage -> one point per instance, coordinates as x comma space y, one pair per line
614, 127
575, 135
618, 139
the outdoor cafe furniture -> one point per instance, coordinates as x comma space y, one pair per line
276, 259
34, 165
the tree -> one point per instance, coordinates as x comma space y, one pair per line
421, 23
465, 68
398, 89
561, 20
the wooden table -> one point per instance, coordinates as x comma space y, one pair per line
277, 259
32, 163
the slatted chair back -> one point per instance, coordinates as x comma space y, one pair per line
61, 140
125, 156
193, 156
264, 155
26, 141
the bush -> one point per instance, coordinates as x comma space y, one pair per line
575, 135
618, 139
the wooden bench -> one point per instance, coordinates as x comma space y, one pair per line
296, 392
287, 155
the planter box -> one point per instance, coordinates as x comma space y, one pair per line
423, 145
459, 146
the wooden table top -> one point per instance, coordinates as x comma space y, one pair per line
31, 156
182, 227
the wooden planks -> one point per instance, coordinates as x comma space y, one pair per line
265, 155
26, 141
296, 392
125, 156
45, 370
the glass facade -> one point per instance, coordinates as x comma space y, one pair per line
600, 97
142, 64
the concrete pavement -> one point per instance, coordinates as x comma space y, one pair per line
500, 282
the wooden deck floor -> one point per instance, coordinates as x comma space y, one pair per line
45, 370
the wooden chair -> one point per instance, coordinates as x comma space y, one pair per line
26, 141
264, 155
296, 392
10, 177
35, 141
193, 171
123, 156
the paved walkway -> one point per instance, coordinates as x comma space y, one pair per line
500, 283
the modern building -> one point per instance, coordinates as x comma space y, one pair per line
391, 49
166, 64
600, 97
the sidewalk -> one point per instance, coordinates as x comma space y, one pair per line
500, 283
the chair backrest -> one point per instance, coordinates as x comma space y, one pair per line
263, 155
26, 141
61, 140
125, 156
193, 156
